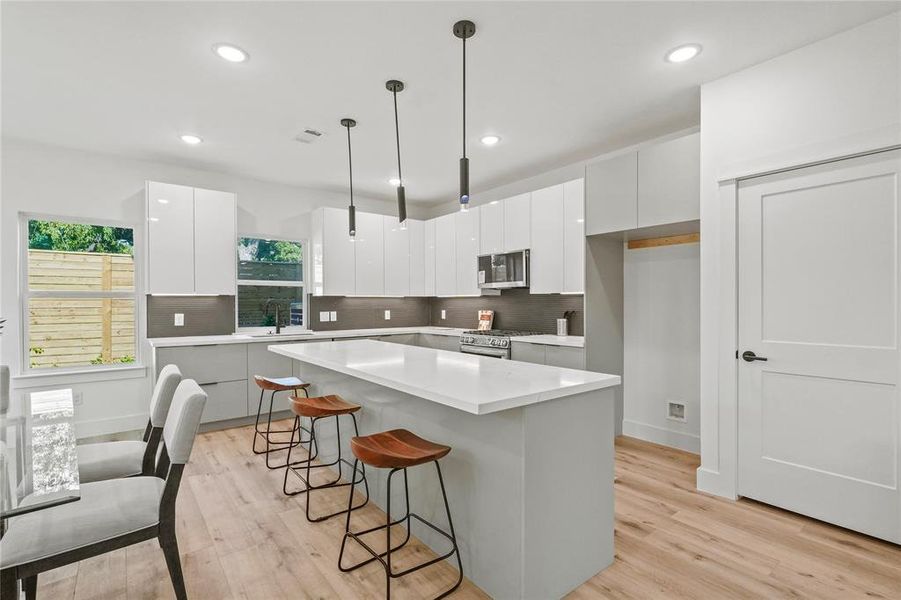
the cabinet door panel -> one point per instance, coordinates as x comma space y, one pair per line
491, 228
517, 222
207, 364
227, 400
546, 257
565, 356
428, 237
612, 195
526, 352
669, 181
574, 237
416, 235
369, 254
338, 254
170, 238
446, 255
467, 248
397, 257
215, 242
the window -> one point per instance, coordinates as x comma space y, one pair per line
79, 294
270, 283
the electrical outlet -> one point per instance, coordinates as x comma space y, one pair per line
323, 316
443, 314
179, 319
387, 315
334, 315
675, 411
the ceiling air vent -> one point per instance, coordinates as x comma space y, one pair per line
308, 136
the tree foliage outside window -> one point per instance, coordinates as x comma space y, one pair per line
261, 250
79, 237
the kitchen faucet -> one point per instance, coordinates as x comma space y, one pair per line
278, 320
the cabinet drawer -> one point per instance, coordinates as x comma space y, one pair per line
227, 400
207, 364
565, 356
527, 352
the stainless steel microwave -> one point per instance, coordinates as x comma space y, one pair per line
508, 270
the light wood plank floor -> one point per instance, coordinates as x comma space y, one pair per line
240, 538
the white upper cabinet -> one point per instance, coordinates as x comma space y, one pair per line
491, 228
369, 251
170, 238
397, 257
669, 181
467, 249
517, 222
192, 243
612, 198
333, 253
574, 237
446, 255
416, 251
428, 237
546, 272
215, 242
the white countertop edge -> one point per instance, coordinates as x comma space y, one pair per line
483, 409
571, 341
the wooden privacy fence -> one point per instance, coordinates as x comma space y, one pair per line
67, 332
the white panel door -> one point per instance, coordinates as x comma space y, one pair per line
546, 271
491, 228
574, 236
215, 242
467, 247
818, 299
416, 239
397, 257
369, 253
428, 237
446, 255
517, 222
170, 238
338, 254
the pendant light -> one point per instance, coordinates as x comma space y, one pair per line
351, 211
464, 30
394, 86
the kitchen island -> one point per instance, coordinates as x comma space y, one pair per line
530, 476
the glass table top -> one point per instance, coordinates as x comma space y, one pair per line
38, 461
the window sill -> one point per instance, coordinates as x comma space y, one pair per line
31, 380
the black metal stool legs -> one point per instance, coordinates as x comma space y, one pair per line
266, 435
385, 557
307, 466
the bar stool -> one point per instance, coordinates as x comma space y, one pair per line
275, 385
396, 450
316, 409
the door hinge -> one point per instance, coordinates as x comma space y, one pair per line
736, 355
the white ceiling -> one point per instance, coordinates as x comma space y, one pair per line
558, 81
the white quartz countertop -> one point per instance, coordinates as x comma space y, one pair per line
244, 338
573, 341
471, 383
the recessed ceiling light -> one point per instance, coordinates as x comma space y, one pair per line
683, 53
230, 53
191, 139
394, 181
490, 140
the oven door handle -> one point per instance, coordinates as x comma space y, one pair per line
485, 351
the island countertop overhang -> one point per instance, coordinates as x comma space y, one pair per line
475, 384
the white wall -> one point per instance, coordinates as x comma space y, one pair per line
830, 99
64, 182
661, 322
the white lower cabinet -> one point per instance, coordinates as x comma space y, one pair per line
440, 342
567, 357
221, 370
225, 400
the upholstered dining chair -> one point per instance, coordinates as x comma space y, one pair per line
111, 514
110, 460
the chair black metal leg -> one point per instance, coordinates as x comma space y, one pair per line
256, 425
170, 550
288, 457
453, 536
8, 584
30, 585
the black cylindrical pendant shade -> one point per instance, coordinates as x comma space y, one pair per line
352, 220
401, 204
464, 181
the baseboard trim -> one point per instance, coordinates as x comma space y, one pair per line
713, 482
664, 437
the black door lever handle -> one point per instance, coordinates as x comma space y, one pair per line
749, 356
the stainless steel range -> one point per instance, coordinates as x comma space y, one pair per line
491, 342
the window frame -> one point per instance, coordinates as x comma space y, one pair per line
25, 294
274, 283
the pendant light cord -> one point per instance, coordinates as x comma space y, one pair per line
464, 97
400, 177
350, 166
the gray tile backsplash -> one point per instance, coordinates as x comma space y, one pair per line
366, 313
204, 315
513, 309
